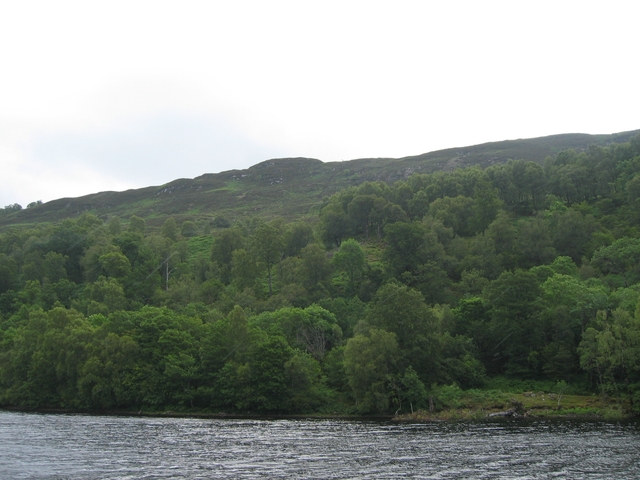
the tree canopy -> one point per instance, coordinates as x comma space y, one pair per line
392, 293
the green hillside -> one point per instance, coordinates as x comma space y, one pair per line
362, 287
291, 187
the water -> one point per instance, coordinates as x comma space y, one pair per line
98, 447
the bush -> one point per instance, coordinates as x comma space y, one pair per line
447, 396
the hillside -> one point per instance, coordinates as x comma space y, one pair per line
440, 292
291, 187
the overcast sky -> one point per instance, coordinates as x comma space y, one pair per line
114, 95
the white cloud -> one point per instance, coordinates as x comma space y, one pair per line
26, 179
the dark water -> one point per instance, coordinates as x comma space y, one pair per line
91, 447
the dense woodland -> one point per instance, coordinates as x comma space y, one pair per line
394, 296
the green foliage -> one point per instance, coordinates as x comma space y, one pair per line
446, 279
369, 364
222, 251
220, 222
402, 311
413, 390
447, 396
267, 244
170, 229
189, 229
315, 269
137, 224
610, 351
515, 323
621, 258
350, 259
407, 246
313, 330
297, 237
8, 273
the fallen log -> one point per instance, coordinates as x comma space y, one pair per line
506, 413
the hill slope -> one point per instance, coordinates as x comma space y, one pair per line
292, 187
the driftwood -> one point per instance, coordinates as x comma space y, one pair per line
506, 413
517, 410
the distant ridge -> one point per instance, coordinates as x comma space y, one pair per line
292, 187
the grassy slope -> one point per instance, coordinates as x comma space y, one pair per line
480, 404
291, 188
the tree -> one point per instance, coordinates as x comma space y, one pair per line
244, 269
14, 207
611, 353
456, 213
518, 336
170, 229
70, 240
350, 259
103, 379
53, 267
181, 372
315, 267
411, 245
402, 311
220, 222
416, 257
622, 258
405, 246
137, 224
297, 237
582, 300
114, 226
105, 295
486, 204
237, 333
268, 374
115, 264
504, 234
189, 229
362, 211
222, 250
534, 243
305, 381
369, 364
560, 390
333, 224
391, 213
313, 330
482, 257
413, 390
44, 365
573, 234
8, 273
418, 206
268, 245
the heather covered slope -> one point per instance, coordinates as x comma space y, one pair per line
292, 187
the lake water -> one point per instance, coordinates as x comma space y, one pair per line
102, 447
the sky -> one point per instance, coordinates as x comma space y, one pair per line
98, 96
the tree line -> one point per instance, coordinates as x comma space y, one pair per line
520, 270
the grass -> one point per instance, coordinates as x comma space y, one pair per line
455, 404
200, 246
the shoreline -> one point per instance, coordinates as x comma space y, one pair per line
452, 415
455, 416
201, 415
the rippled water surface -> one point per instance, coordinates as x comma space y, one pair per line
92, 447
